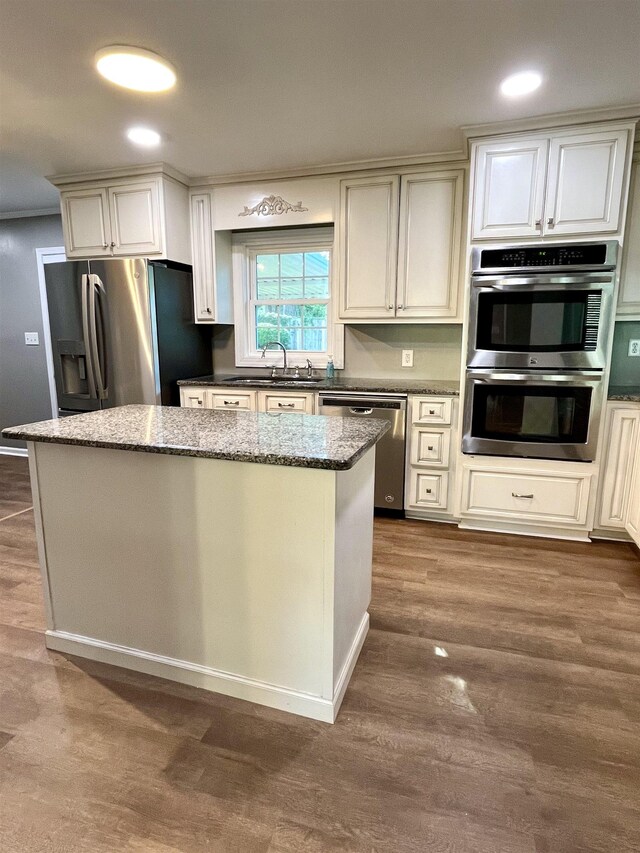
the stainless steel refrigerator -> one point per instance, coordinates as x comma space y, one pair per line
122, 331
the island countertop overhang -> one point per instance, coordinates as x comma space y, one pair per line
306, 441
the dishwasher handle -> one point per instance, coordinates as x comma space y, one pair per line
352, 403
357, 410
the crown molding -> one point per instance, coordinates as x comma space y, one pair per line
331, 169
119, 172
551, 120
24, 214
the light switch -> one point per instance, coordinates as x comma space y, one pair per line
31, 339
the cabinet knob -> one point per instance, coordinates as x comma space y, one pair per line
400, 307
550, 222
199, 402
429, 447
516, 495
390, 307
428, 491
208, 310
105, 245
113, 245
539, 224
432, 411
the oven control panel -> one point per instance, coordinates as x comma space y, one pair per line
548, 257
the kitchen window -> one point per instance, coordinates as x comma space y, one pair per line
283, 290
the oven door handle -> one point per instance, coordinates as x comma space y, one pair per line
577, 378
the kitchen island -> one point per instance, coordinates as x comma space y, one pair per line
226, 550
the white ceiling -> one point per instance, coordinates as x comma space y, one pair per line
278, 84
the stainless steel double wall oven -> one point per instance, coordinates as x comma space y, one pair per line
539, 325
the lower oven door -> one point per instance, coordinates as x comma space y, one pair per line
539, 416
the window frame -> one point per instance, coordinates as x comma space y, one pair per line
246, 246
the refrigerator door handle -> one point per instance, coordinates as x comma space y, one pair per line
98, 337
86, 336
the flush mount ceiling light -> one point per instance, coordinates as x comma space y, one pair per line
135, 68
143, 136
520, 84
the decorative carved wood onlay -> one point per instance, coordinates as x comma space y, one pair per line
273, 205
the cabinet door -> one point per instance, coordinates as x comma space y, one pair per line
584, 187
193, 398
429, 244
368, 242
135, 219
508, 191
203, 253
85, 221
629, 294
632, 521
622, 440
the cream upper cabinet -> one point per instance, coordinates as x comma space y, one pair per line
212, 272
629, 293
125, 217
584, 186
399, 245
368, 247
134, 210
86, 223
557, 184
509, 184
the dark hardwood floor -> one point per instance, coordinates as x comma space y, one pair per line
495, 709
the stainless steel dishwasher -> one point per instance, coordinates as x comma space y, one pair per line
389, 485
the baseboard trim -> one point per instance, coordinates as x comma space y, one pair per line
525, 530
13, 451
215, 680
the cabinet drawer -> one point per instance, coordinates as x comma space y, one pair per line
431, 410
430, 447
193, 398
428, 490
525, 497
233, 400
292, 403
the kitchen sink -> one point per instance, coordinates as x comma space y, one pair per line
272, 380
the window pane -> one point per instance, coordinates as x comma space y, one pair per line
316, 264
316, 288
314, 340
268, 288
291, 265
292, 288
291, 315
315, 315
268, 266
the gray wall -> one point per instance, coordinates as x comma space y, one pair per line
625, 370
374, 351
24, 388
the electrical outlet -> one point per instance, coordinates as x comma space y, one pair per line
407, 358
634, 348
31, 339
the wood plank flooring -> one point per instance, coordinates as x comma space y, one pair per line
495, 709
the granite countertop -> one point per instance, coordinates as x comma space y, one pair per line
626, 393
447, 388
306, 441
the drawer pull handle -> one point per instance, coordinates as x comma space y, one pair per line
286, 405
516, 495
231, 402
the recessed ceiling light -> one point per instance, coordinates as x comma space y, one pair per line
520, 84
135, 68
143, 136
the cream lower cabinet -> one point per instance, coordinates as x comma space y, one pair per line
533, 497
429, 467
201, 397
248, 399
286, 402
569, 182
399, 246
632, 515
622, 436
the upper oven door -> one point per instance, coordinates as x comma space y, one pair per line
540, 322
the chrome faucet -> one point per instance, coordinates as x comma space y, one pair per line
309, 368
284, 353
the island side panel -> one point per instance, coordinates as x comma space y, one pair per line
353, 561
215, 563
